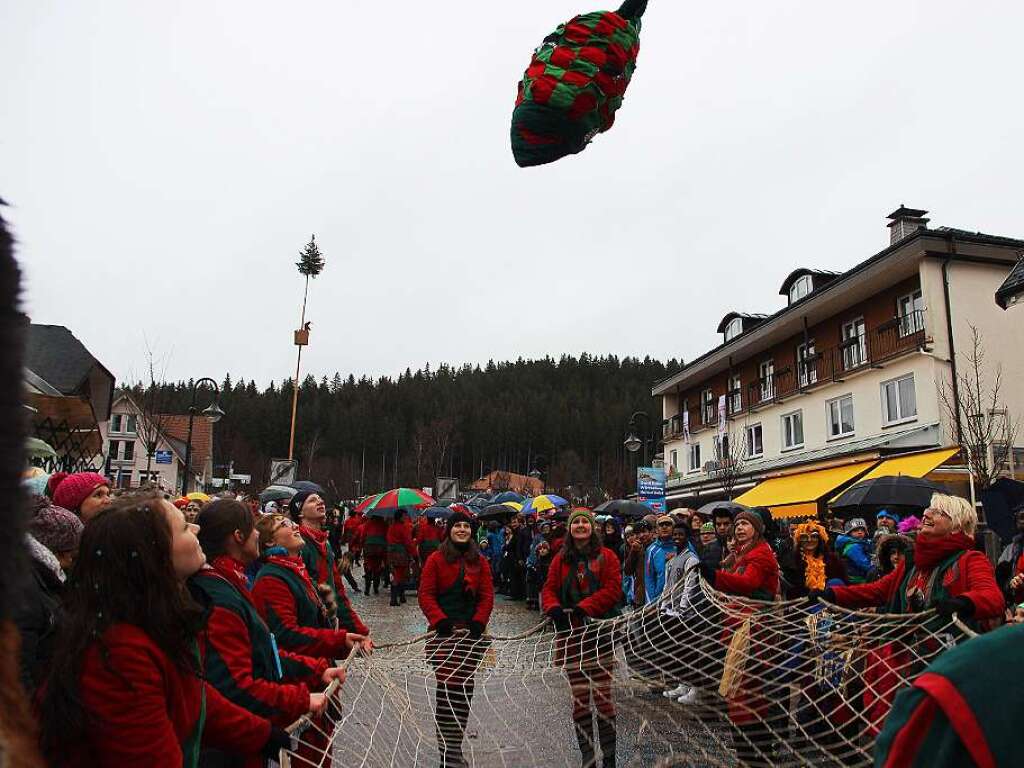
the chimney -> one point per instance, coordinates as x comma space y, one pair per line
903, 222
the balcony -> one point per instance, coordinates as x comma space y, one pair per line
894, 338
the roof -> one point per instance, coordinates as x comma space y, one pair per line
516, 482
749, 321
176, 427
1012, 289
825, 276
54, 354
793, 309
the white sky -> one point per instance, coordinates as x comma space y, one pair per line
165, 163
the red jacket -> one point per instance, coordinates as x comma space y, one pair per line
147, 707
971, 576
317, 539
439, 575
400, 534
352, 529
428, 532
272, 594
754, 574
229, 638
604, 600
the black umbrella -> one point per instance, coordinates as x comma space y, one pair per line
623, 508
308, 486
711, 506
497, 512
437, 513
899, 490
276, 493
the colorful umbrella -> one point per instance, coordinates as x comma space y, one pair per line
198, 496
363, 505
389, 502
518, 507
437, 513
504, 496
543, 503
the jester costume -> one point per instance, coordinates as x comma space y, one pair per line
575, 84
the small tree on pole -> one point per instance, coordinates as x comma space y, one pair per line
311, 263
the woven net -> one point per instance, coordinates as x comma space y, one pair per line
762, 684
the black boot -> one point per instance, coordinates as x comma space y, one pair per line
401, 595
376, 585
585, 737
394, 597
368, 581
606, 737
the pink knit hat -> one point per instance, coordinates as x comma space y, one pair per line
72, 490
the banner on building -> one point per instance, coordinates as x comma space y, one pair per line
162, 457
721, 416
650, 487
686, 426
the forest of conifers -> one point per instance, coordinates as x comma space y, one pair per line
566, 418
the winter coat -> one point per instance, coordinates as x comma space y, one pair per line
1010, 563
538, 574
428, 539
755, 574
596, 582
150, 709
374, 536
401, 550
351, 533
242, 658
946, 566
634, 566
440, 597
682, 582
322, 566
292, 608
656, 559
856, 554
36, 612
711, 554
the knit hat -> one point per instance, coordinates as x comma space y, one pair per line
295, 504
909, 524
55, 527
751, 517
580, 512
458, 516
853, 524
891, 515
181, 503
707, 528
34, 481
71, 490
53, 482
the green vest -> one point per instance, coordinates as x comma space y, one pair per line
190, 748
307, 612
936, 591
571, 593
458, 604
311, 558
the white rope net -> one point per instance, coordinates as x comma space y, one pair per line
762, 684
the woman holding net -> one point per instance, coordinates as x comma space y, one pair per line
583, 584
456, 595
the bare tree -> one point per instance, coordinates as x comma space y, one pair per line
978, 409
730, 452
152, 404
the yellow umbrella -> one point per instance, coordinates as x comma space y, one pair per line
513, 505
198, 496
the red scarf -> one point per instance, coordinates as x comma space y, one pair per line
232, 571
929, 551
296, 565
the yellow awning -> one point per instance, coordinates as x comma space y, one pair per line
802, 488
914, 465
810, 509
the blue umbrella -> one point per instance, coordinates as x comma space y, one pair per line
437, 513
508, 496
544, 503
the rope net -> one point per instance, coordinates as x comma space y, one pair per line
760, 683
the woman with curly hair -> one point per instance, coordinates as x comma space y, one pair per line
809, 564
126, 684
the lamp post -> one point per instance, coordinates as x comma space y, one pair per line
212, 412
634, 443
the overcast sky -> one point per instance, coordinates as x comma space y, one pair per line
166, 162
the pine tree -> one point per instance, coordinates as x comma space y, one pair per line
311, 261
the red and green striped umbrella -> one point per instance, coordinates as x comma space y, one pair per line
363, 505
389, 502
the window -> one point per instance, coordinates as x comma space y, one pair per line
693, 460
793, 430
1002, 456
114, 447
129, 450
800, 288
899, 400
722, 448
115, 423
839, 414
710, 411
734, 328
766, 374
735, 394
123, 478
806, 363
855, 344
673, 461
910, 311
129, 426
755, 445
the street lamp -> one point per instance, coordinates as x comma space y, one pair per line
632, 443
213, 412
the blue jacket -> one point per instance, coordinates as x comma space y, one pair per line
655, 562
857, 554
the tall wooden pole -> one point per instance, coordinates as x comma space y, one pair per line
295, 384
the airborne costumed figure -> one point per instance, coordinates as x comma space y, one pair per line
575, 84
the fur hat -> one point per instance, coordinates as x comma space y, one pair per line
853, 524
71, 490
811, 526
54, 527
751, 517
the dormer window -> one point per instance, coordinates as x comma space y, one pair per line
800, 288
734, 328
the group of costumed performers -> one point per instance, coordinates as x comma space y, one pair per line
374, 540
585, 584
401, 556
456, 595
575, 84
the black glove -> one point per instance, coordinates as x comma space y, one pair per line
557, 616
476, 630
825, 594
961, 606
445, 627
707, 573
278, 740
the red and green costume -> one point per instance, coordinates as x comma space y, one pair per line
290, 604
428, 539
375, 545
575, 84
242, 659
322, 566
401, 551
962, 710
